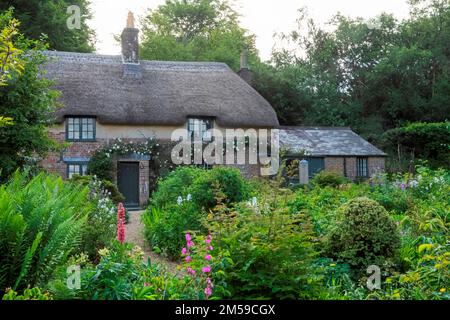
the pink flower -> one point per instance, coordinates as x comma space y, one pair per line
211, 248
209, 282
188, 237
190, 244
183, 251
146, 284
208, 241
206, 269
191, 271
121, 223
208, 257
208, 292
188, 259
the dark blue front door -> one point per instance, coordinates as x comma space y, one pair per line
128, 182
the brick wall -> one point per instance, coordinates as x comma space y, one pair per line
377, 165
338, 165
54, 162
335, 164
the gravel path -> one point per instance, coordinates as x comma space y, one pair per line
135, 235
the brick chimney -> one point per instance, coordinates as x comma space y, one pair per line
245, 72
130, 41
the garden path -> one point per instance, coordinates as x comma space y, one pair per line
134, 234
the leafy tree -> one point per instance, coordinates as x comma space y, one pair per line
49, 17
10, 63
427, 141
195, 30
29, 100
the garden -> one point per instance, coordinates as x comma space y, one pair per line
231, 238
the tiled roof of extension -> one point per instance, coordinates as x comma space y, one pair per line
324, 141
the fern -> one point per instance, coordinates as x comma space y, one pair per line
27, 260
41, 223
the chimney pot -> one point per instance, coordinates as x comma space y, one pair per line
244, 59
245, 72
130, 20
130, 41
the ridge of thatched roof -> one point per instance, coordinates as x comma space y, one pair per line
154, 92
326, 141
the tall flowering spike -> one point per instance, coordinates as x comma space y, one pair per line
121, 223
208, 292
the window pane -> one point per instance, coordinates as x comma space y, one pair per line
80, 128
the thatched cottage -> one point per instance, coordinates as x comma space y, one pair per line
108, 97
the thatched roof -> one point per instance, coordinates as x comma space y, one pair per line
322, 142
154, 92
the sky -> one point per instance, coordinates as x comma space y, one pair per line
263, 18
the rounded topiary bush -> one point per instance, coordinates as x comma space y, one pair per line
363, 235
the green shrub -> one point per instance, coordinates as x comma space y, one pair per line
100, 229
266, 255
199, 190
105, 186
203, 186
165, 228
101, 165
328, 178
176, 184
41, 224
224, 182
427, 141
114, 193
28, 294
363, 235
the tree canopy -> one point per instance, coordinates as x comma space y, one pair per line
372, 75
49, 18
195, 30
26, 98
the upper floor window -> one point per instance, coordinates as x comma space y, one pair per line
362, 167
80, 129
200, 127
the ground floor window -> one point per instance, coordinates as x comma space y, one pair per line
76, 168
362, 167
